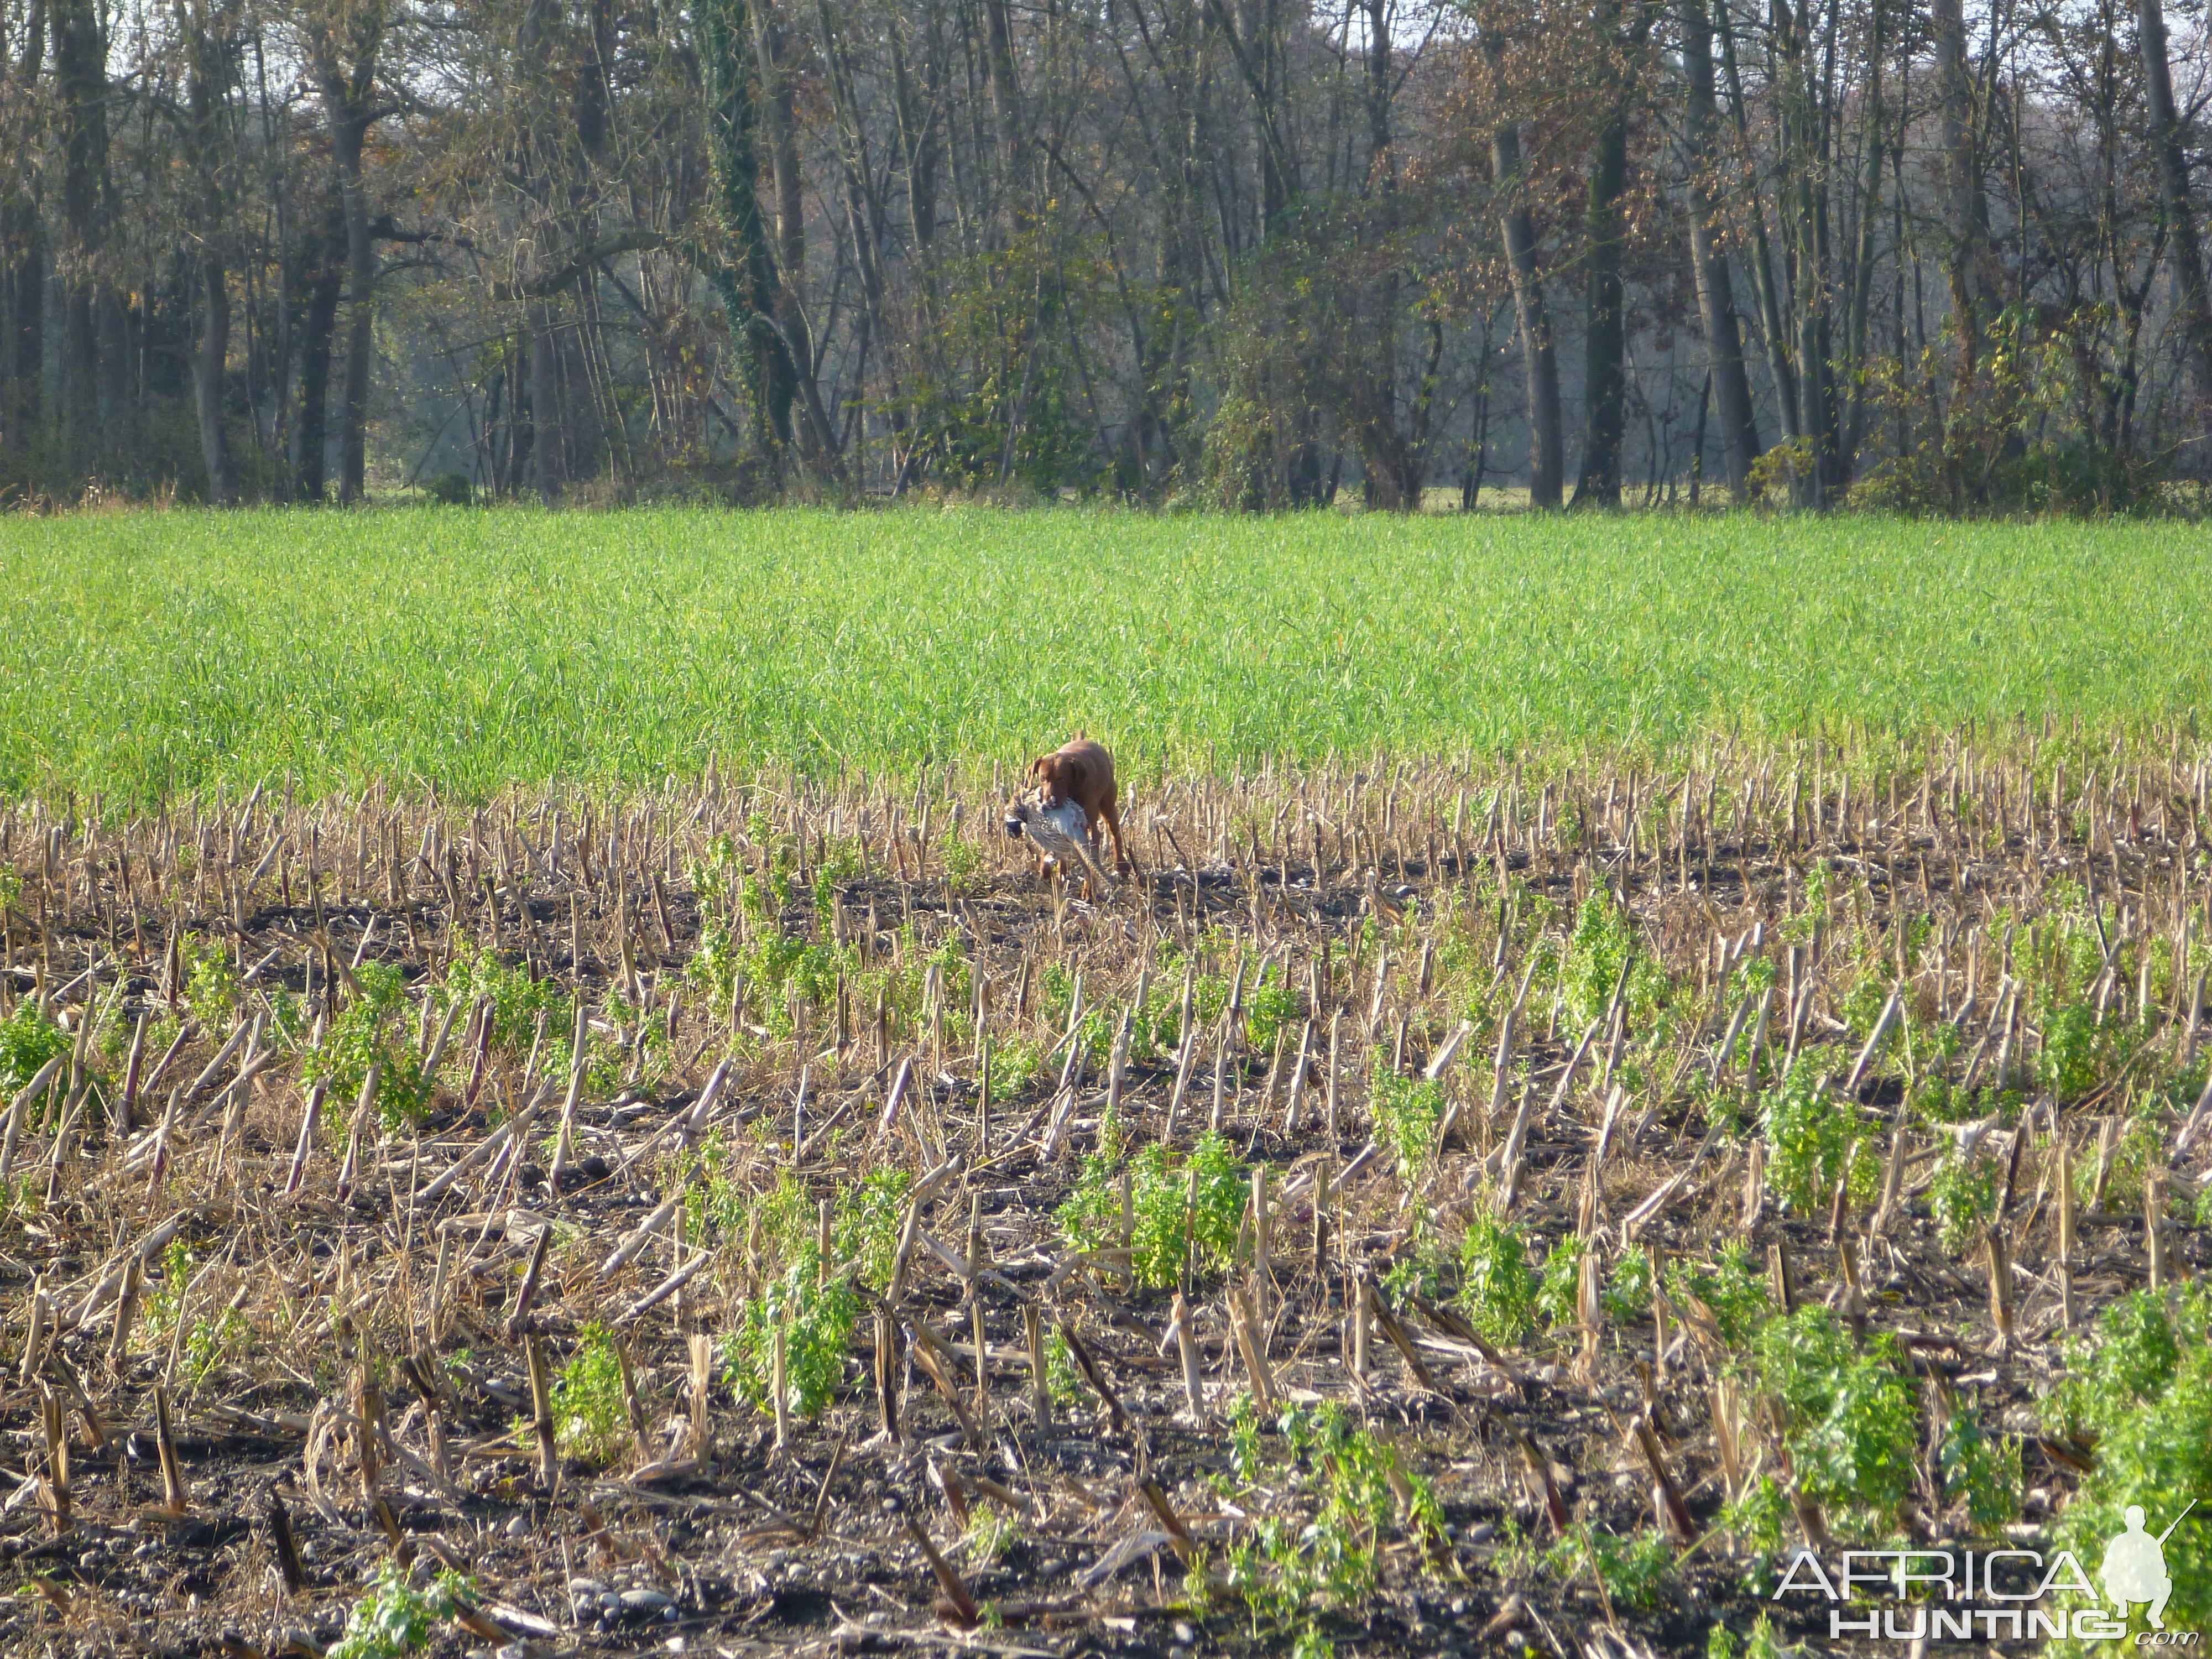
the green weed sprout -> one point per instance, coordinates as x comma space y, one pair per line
588, 1418
1733, 1289
869, 1216
1063, 1377
517, 1001
372, 1029
1962, 1197
1633, 1571
1628, 1293
1850, 1424
1271, 1003
1979, 1471
1559, 1286
1811, 1136
1188, 1211
395, 1618
817, 1316
1406, 1110
2140, 1389
1349, 1494
27, 1042
1496, 1285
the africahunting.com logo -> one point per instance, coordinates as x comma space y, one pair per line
2005, 1595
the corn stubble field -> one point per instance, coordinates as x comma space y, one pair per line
1426, 1210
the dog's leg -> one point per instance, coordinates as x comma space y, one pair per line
1111, 812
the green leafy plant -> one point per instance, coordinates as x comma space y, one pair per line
1628, 1293
1014, 1066
2139, 1147
1812, 1136
27, 1042
210, 990
395, 1618
1497, 1286
1347, 1496
1599, 948
1421, 1266
1850, 1421
992, 1532
1962, 1197
962, 858
1559, 1288
1634, 1570
372, 1029
817, 1316
1762, 1643
476, 973
1189, 1211
1406, 1111
588, 1418
868, 1218
1602, 943
1756, 1518
211, 1342
1243, 1418
2137, 1393
1979, 1471
1732, 1287
1063, 1377
165, 1298
1270, 1004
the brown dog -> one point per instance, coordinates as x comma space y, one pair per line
1082, 772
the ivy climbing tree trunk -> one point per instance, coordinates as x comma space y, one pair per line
345, 49
748, 283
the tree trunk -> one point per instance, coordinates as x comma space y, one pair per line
749, 291
349, 89
208, 379
1006, 90
548, 448
2194, 306
1546, 468
361, 320
23, 283
22, 350
81, 78
323, 265
1965, 209
206, 85
1771, 328
778, 111
1862, 288
1605, 328
1731, 384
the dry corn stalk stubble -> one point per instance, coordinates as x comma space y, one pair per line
198, 1309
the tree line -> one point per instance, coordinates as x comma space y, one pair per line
1251, 253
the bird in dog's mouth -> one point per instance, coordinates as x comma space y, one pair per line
1060, 833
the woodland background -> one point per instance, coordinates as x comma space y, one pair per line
1245, 253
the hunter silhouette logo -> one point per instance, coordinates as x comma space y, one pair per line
2010, 1593
2134, 1567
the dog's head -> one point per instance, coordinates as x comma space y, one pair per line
1051, 773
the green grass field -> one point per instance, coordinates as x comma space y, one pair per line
155, 652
